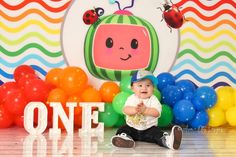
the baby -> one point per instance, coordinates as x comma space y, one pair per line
142, 110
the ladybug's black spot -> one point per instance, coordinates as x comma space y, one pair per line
176, 15
109, 43
87, 15
87, 21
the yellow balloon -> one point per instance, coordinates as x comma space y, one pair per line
216, 117
234, 96
231, 116
225, 97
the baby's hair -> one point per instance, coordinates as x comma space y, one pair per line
140, 80
131, 84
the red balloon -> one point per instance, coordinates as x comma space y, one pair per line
24, 80
6, 89
15, 102
19, 121
6, 119
36, 90
22, 70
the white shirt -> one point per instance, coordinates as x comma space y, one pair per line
139, 121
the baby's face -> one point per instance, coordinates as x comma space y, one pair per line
143, 89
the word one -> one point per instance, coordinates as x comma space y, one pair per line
68, 122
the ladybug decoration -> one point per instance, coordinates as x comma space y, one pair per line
172, 16
91, 16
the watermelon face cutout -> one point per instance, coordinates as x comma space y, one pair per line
120, 44
121, 47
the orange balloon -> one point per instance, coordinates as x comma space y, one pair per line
91, 95
57, 95
73, 80
53, 76
108, 91
76, 98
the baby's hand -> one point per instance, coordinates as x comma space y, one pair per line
140, 108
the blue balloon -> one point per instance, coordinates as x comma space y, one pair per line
184, 111
1, 82
165, 79
185, 86
171, 94
198, 104
200, 120
188, 96
177, 122
207, 95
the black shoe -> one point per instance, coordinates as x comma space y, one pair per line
173, 140
122, 140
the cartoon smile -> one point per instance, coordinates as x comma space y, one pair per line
125, 59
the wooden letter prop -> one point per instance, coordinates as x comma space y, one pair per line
68, 122
29, 117
87, 116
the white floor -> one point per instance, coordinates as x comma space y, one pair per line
207, 142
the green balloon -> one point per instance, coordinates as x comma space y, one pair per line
157, 93
166, 116
120, 122
119, 101
109, 117
125, 84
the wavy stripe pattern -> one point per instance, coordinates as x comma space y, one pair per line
207, 38
197, 47
208, 8
205, 69
31, 57
29, 35
212, 27
40, 2
219, 84
1, 82
29, 12
27, 24
209, 49
206, 60
30, 46
209, 18
206, 80
204, 42
30, 39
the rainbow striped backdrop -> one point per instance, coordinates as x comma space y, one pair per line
30, 34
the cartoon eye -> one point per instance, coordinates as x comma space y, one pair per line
99, 11
109, 42
134, 44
